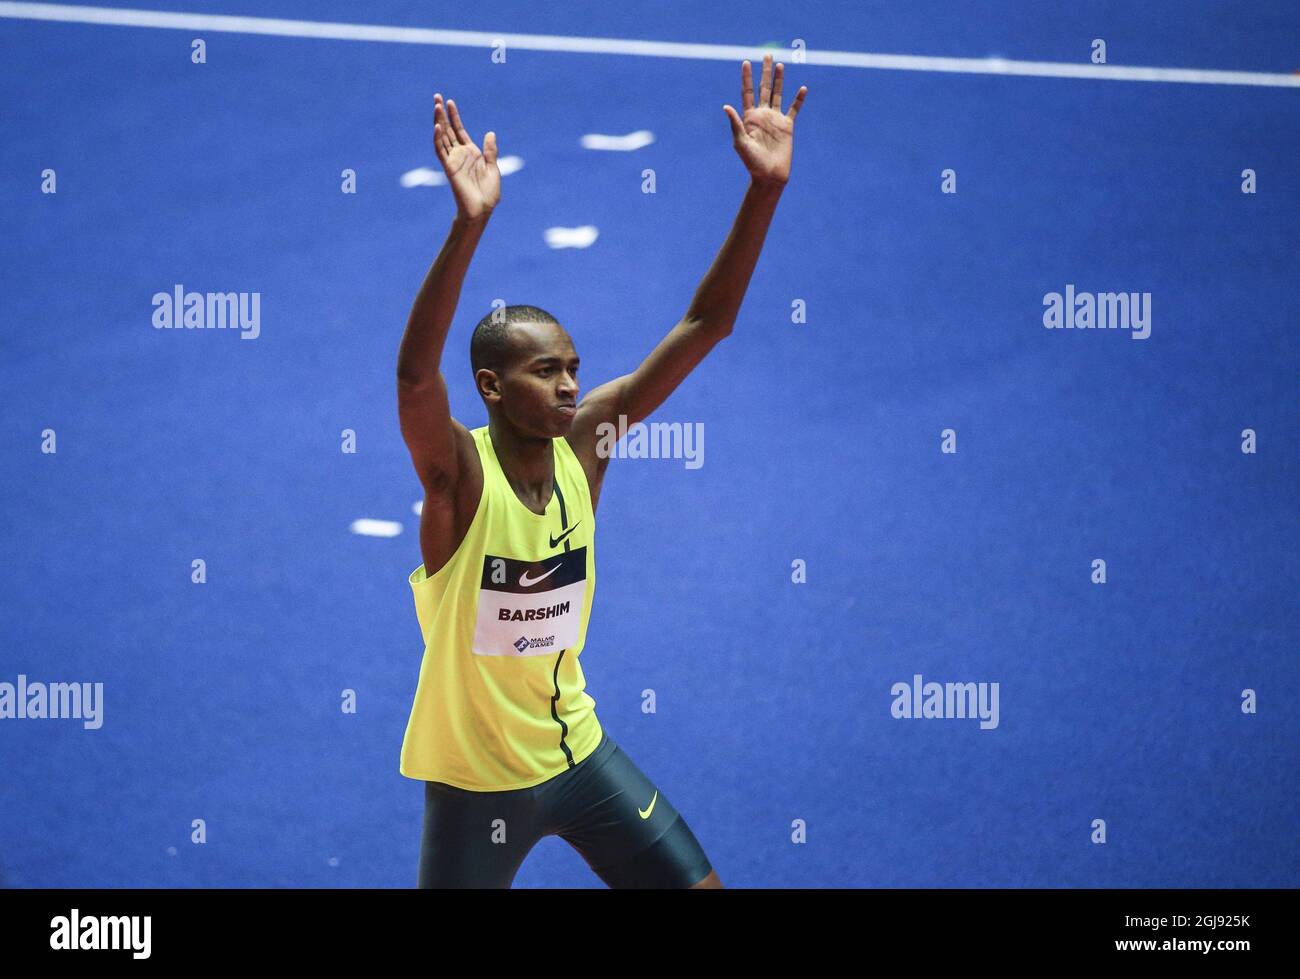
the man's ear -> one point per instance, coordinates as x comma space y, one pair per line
489, 385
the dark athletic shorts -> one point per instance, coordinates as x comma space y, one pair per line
479, 839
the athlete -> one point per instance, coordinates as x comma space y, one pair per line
502, 731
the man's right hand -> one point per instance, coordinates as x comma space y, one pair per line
473, 174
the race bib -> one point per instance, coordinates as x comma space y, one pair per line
530, 608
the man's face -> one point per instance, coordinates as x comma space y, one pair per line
538, 391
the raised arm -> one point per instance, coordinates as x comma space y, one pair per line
425, 414
764, 140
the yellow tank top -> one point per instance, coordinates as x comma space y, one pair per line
501, 700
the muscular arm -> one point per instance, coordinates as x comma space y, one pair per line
764, 140
712, 312
425, 414
433, 437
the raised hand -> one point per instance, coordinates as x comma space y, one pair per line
473, 175
764, 138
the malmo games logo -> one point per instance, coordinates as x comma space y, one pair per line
523, 642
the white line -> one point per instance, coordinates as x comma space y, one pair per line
367, 527
220, 23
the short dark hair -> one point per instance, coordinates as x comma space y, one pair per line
489, 347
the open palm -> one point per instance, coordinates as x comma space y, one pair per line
764, 137
473, 175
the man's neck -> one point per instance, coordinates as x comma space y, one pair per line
528, 463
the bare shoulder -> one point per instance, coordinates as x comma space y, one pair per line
471, 466
449, 505
586, 456
585, 435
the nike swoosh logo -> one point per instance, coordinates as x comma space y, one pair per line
555, 541
645, 813
525, 583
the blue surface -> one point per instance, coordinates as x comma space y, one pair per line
1118, 702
